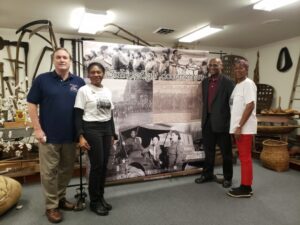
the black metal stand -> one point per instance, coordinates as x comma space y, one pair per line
219, 178
80, 192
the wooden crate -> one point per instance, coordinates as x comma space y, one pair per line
19, 168
19, 124
15, 132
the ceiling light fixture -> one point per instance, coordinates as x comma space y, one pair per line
269, 5
90, 21
201, 33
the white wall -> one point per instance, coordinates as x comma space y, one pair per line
282, 82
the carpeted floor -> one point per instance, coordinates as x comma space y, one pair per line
179, 201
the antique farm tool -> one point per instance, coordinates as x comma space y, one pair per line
8, 44
126, 35
2, 81
38, 25
6, 80
46, 48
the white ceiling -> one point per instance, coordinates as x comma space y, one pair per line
244, 27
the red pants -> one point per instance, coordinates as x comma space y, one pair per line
244, 145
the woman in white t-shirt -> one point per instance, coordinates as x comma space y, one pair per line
243, 125
96, 132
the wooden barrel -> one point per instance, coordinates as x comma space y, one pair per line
275, 155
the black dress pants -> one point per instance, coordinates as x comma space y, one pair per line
223, 140
99, 137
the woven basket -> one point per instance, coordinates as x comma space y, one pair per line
275, 155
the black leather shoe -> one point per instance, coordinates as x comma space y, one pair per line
99, 209
227, 183
204, 179
105, 204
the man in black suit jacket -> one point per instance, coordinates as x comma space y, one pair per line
216, 92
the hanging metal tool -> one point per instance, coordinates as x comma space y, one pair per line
73, 44
45, 49
78, 42
77, 52
42, 24
128, 35
6, 79
8, 43
46, 24
12, 61
37, 34
25, 47
2, 81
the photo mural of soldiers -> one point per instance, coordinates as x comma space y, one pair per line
156, 94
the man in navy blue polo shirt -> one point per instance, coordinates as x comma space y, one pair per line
53, 93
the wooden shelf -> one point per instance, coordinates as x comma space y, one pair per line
28, 171
295, 163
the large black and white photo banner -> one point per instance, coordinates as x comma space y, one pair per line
157, 98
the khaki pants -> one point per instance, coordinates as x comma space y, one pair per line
56, 169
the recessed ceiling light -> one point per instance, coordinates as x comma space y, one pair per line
200, 33
90, 21
269, 5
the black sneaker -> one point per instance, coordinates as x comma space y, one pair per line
241, 192
245, 187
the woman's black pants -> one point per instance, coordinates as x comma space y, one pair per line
99, 137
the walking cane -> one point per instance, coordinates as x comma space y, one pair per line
80, 192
